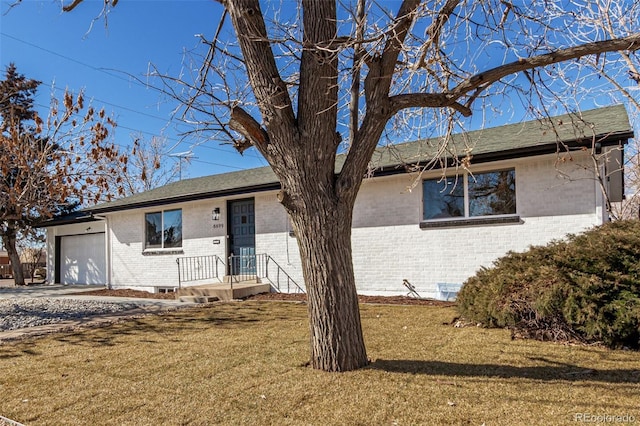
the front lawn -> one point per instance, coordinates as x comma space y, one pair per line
245, 363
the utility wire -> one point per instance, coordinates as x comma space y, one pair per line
102, 70
174, 140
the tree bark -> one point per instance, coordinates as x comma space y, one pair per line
9, 241
323, 231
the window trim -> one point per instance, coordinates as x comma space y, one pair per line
503, 219
467, 220
161, 250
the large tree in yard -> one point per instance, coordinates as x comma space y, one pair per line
49, 166
330, 77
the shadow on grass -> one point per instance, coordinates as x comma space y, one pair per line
19, 353
160, 328
566, 372
153, 327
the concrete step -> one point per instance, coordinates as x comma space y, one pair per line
241, 279
198, 299
223, 291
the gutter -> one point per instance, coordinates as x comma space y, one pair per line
611, 139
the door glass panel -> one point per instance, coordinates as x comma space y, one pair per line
243, 237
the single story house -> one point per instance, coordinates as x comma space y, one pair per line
416, 224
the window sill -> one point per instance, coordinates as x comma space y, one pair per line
480, 221
159, 252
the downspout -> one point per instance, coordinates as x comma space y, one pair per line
51, 257
602, 215
601, 196
107, 249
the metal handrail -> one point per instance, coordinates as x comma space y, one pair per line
241, 268
196, 268
280, 270
256, 266
244, 267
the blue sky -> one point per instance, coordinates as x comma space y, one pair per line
55, 47
51, 46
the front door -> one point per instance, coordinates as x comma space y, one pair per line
242, 237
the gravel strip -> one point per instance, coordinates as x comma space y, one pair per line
23, 313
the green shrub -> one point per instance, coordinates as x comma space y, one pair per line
586, 288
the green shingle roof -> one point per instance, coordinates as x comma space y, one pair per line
610, 124
196, 188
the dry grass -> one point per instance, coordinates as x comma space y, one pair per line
244, 363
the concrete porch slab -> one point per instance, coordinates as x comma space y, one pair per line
222, 291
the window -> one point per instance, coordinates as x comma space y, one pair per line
480, 194
163, 229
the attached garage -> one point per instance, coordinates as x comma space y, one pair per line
81, 259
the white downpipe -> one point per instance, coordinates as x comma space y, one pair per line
107, 248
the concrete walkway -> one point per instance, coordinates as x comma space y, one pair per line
74, 292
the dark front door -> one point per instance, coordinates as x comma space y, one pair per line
242, 237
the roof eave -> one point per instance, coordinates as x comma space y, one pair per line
188, 197
610, 139
67, 220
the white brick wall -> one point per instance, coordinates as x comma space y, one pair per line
553, 199
388, 244
132, 266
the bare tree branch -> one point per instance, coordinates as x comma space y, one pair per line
377, 86
483, 79
269, 88
248, 127
435, 29
358, 51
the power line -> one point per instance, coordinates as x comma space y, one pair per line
218, 164
96, 69
167, 138
136, 82
115, 105
172, 140
169, 155
102, 70
165, 119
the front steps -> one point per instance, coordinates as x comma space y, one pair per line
227, 290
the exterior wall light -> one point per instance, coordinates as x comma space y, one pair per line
215, 214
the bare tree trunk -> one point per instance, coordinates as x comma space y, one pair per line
324, 238
9, 242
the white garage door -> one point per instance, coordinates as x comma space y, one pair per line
82, 259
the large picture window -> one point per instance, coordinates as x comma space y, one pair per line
470, 195
163, 229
